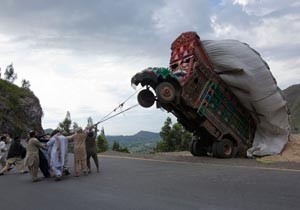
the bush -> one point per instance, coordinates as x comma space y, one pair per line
116, 147
102, 144
174, 137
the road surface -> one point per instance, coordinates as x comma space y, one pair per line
132, 183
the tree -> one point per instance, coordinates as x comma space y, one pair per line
102, 144
166, 135
102, 131
186, 139
161, 146
10, 74
166, 129
116, 146
66, 123
181, 137
90, 122
75, 126
25, 84
124, 149
174, 137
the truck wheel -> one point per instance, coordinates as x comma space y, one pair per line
146, 98
235, 152
214, 149
197, 149
165, 92
191, 147
225, 148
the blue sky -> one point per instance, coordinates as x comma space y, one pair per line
79, 56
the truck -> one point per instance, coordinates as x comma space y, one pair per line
191, 90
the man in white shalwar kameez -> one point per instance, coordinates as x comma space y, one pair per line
56, 149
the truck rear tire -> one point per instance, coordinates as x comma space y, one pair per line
191, 147
146, 98
197, 148
165, 92
214, 149
224, 148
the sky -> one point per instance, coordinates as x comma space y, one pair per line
79, 56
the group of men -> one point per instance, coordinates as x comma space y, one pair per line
50, 153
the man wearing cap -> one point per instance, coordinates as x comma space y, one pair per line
91, 150
14, 156
79, 151
32, 155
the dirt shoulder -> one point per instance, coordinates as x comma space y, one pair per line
291, 152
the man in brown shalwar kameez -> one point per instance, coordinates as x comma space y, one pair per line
32, 155
79, 152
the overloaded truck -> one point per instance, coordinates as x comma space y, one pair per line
192, 91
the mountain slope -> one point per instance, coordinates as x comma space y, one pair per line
142, 141
292, 95
20, 110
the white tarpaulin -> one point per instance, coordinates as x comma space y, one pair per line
250, 79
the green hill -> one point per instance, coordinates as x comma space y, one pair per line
142, 142
292, 95
48, 130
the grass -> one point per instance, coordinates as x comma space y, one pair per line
260, 160
12, 108
10, 94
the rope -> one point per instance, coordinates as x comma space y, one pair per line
118, 107
101, 121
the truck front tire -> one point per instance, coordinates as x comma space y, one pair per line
165, 92
146, 98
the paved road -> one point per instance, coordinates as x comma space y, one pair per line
131, 184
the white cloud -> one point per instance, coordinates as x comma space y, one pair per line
278, 31
243, 2
273, 33
263, 7
286, 72
178, 16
